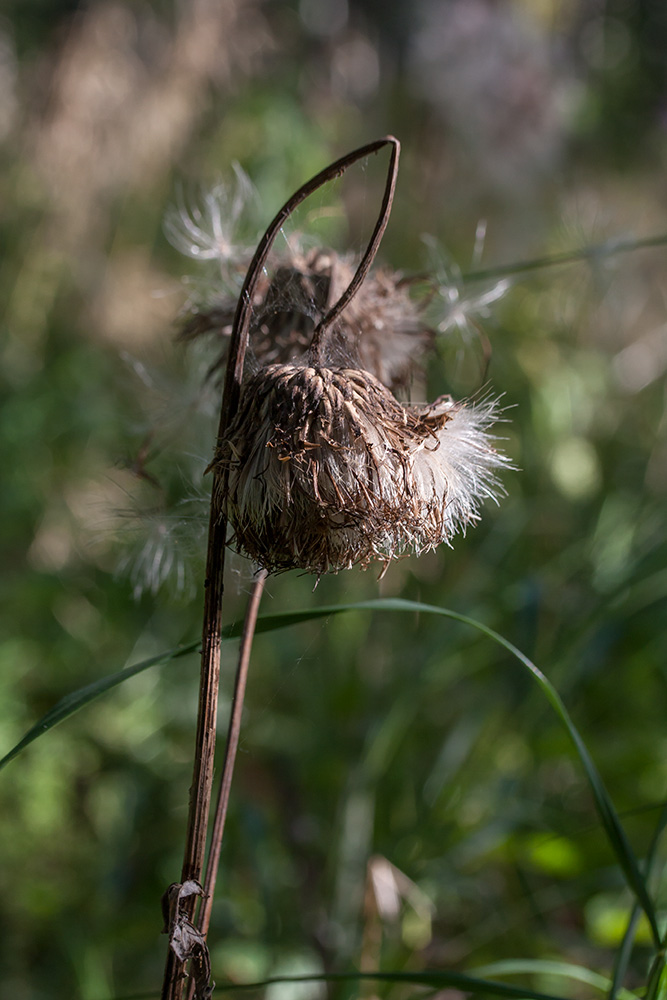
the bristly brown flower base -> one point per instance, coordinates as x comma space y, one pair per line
325, 469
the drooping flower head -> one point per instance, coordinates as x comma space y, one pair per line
318, 465
325, 469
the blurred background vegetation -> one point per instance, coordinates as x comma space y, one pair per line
378, 751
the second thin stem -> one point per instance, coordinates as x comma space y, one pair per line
230, 750
233, 734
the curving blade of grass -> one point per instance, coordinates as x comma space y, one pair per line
577, 973
606, 811
76, 700
624, 953
471, 985
594, 252
438, 980
71, 703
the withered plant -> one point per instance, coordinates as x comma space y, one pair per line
319, 467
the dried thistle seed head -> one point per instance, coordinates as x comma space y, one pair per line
322, 468
380, 330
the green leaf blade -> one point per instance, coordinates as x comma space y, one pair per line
609, 817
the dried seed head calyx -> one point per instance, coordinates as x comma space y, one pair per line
318, 466
325, 469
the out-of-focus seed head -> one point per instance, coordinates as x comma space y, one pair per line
380, 331
325, 469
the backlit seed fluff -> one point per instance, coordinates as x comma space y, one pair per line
322, 468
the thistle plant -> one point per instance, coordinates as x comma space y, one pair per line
316, 361
385, 727
317, 467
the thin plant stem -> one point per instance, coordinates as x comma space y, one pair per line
233, 733
202, 781
596, 251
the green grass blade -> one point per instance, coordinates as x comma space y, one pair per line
614, 830
528, 966
624, 952
594, 252
71, 703
76, 700
438, 980
610, 821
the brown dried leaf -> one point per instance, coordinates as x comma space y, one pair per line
185, 940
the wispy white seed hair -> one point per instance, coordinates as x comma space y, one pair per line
206, 228
459, 473
323, 468
451, 305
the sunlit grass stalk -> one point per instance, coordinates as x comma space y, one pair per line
592, 252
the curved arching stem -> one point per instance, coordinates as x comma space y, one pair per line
240, 330
368, 257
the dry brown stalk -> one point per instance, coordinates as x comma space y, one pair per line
200, 791
233, 733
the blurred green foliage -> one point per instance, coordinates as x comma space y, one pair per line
406, 747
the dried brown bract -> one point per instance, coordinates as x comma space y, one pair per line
381, 329
325, 469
